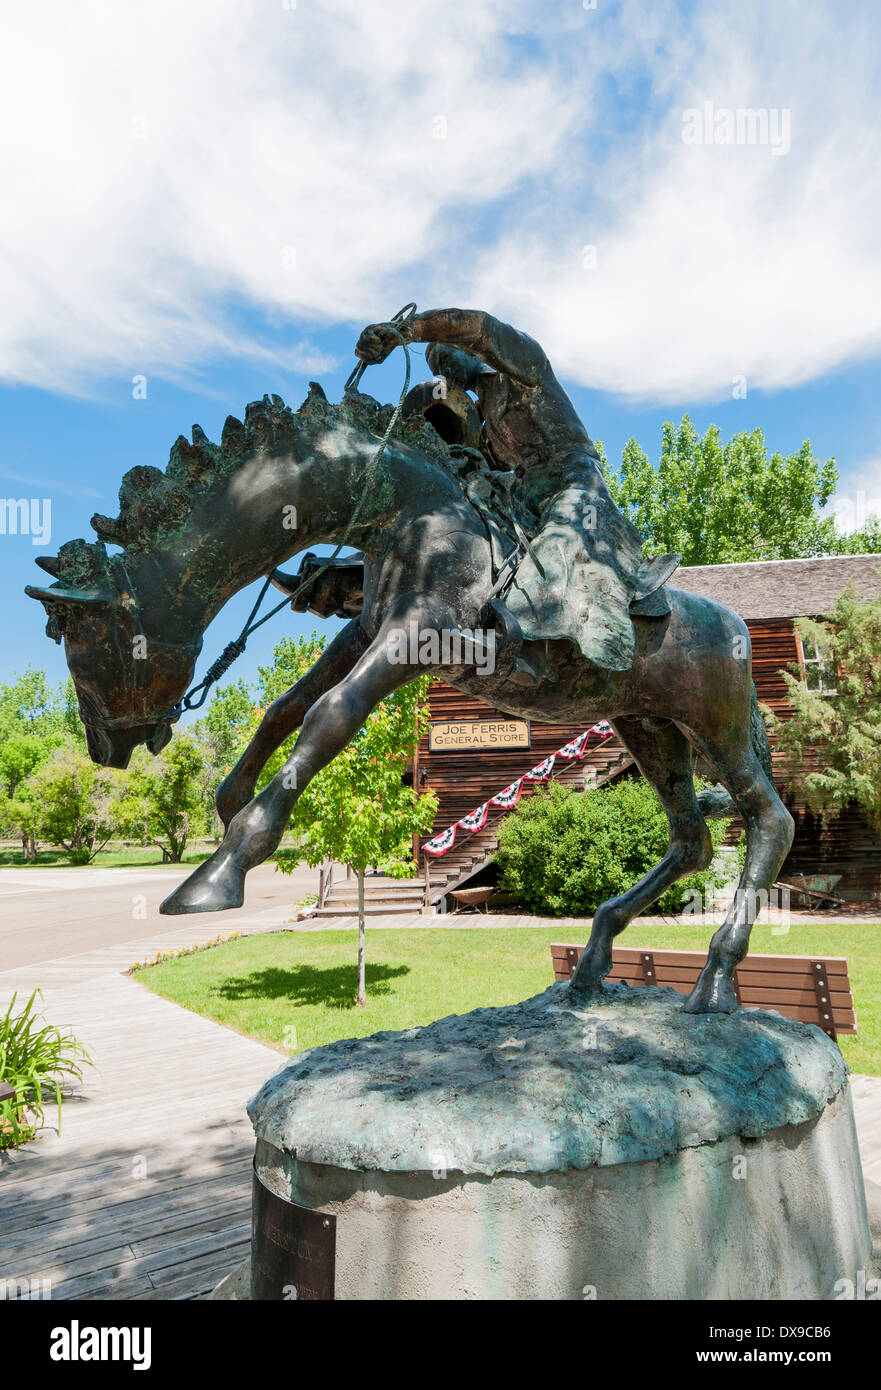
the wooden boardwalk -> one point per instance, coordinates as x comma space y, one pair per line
146, 1192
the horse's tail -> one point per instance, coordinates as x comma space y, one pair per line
715, 802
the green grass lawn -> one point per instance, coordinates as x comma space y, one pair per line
263, 985
118, 857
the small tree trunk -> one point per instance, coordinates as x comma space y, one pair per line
32, 848
362, 986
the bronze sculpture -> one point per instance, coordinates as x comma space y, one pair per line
445, 531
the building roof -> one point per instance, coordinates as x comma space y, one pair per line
783, 588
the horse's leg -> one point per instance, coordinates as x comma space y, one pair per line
769, 831
254, 833
664, 757
286, 714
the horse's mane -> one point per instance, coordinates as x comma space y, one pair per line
154, 504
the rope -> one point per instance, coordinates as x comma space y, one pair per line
233, 650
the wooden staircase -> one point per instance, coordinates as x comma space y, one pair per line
472, 852
381, 895
338, 895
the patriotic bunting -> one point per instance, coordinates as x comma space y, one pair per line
476, 819
442, 842
509, 797
575, 749
543, 771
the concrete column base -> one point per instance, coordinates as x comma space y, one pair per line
617, 1150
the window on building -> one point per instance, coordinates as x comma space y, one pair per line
819, 668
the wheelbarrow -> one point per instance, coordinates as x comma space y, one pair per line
472, 897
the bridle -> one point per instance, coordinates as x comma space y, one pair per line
127, 601
233, 650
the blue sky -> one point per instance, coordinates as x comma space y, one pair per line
217, 196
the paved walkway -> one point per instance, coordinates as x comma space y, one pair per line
47, 913
146, 1192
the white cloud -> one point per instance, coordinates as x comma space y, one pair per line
713, 261
158, 160
165, 165
857, 497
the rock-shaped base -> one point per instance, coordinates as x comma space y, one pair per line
557, 1149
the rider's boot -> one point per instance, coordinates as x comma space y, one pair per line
653, 573
511, 662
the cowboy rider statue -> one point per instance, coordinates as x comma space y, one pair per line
583, 572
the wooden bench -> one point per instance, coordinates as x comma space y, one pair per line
813, 989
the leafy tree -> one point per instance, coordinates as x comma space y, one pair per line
358, 811
20, 756
29, 706
864, 541
76, 803
842, 718
227, 719
564, 852
222, 733
164, 799
292, 657
22, 815
719, 503
25, 705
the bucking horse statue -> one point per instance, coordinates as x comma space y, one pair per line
483, 512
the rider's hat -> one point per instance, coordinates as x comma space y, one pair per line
448, 407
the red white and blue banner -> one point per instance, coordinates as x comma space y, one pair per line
507, 799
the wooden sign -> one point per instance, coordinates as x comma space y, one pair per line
457, 736
293, 1249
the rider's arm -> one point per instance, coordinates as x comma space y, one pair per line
497, 344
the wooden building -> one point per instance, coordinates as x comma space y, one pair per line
475, 751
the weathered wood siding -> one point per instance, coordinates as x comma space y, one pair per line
465, 779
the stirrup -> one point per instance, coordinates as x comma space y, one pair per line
653, 574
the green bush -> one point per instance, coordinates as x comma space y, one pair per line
34, 1060
564, 852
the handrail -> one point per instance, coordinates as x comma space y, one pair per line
506, 800
325, 879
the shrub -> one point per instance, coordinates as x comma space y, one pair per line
564, 852
34, 1060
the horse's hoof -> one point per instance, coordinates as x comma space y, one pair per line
590, 973
212, 891
713, 994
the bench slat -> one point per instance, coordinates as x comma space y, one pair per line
785, 984
836, 965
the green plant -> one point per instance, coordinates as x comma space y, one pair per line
564, 852
832, 737
163, 957
164, 798
718, 503
77, 803
34, 1060
359, 810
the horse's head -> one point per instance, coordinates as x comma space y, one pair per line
213, 521
127, 683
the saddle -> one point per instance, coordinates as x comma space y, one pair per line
338, 590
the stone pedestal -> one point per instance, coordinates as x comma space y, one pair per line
617, 1149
